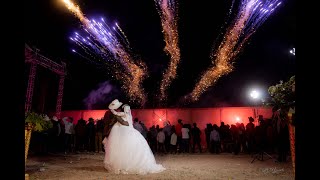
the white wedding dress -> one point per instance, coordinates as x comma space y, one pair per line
127, 151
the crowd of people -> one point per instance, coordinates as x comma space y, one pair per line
86, 136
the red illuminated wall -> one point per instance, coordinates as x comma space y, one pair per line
201, 116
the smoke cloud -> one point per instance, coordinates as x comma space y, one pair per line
98, 98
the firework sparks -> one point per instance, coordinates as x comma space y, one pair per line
83, 56
166, 10
75, 10
251, 15
123, 36
103, 40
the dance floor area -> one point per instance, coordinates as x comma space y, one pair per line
223, 166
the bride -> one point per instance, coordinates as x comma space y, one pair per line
126, 150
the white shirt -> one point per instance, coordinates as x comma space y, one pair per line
68, 126
185, 133
173, 140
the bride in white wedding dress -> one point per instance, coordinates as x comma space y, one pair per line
126, 150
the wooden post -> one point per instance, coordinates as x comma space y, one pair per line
27, 133
292, 146
27, 136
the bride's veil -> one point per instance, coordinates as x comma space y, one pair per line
127, 111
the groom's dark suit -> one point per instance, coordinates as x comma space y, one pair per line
109, 120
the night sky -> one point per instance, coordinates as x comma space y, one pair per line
264, 61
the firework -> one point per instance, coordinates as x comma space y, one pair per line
168, 15
123, 36
83, 56
102, 40
251, 15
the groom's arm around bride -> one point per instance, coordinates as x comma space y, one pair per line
110, 119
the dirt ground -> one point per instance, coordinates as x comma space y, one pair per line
223, 166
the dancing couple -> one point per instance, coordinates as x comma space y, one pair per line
126, 150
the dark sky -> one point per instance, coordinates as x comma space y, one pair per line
264, 61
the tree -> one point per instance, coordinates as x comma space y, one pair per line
283, 102
39, 122
283, 97
34, 122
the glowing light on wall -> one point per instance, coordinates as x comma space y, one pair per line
238, 119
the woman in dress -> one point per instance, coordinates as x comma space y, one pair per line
126, 150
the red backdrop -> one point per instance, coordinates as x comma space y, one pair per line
201, 116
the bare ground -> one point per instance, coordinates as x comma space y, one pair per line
181, 166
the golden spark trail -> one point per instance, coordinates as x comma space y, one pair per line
170, 32
122, 33
252, 14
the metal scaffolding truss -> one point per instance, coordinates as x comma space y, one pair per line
33, 57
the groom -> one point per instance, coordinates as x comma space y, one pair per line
111, 119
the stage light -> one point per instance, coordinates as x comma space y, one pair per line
254, 94
293, 51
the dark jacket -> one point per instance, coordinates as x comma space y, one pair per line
109, 120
